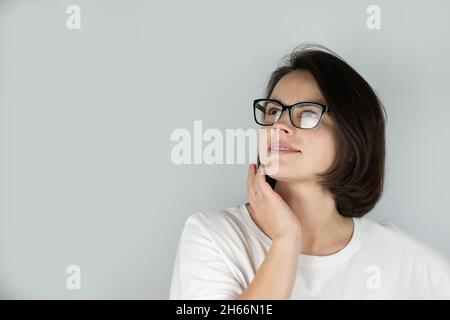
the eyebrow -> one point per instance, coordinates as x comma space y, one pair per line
320, 101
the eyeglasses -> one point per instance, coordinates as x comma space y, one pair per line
303, 115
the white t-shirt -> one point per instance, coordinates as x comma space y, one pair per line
219, 253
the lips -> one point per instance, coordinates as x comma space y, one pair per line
283, 148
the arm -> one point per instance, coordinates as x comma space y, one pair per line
277, 274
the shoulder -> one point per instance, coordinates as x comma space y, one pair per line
225, 229
204, 265
391, 235
206, 235
216, 216
397, 244
219, 221
222, 235
225, 232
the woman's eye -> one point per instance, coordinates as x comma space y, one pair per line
307, 113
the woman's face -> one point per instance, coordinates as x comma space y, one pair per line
317, 146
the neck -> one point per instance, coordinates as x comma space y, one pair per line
324, 230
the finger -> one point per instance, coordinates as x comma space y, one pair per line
261, 174
260, 182
251, 173
256, 180
250, 178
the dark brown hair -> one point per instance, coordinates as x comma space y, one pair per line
357, 175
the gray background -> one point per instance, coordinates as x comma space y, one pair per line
86, 119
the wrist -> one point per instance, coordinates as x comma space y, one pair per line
288, 239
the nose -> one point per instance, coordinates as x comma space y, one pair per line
284, 123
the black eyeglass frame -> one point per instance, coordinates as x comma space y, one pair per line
324, 107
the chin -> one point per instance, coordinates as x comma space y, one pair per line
282, 175
284, 179
286, 171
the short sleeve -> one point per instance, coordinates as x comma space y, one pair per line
200, 270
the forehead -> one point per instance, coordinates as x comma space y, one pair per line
297, 86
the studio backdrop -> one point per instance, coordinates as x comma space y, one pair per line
95, 96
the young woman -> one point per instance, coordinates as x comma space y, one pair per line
302, 235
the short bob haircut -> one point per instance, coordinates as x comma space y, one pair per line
357, 175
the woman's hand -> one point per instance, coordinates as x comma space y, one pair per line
271, 212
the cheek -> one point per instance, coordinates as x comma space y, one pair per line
321, 150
